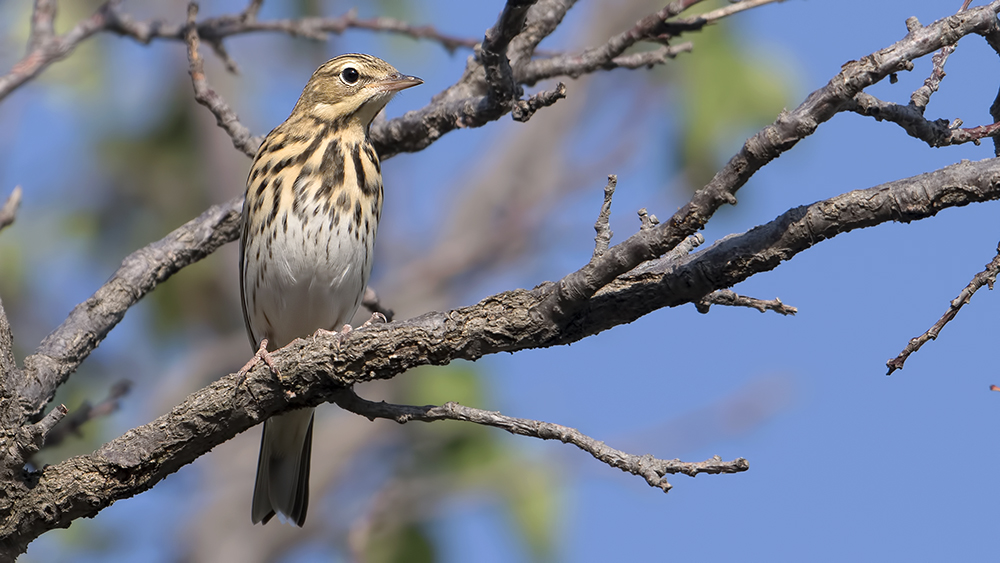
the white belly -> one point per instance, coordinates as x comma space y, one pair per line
305, 279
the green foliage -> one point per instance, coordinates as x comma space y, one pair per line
407, 544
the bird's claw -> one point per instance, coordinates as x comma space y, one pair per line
376, 318
262, 355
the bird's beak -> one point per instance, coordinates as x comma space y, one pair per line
396, 82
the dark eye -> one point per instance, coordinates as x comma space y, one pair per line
349, 75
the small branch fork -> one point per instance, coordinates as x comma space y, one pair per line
243, 140
936, 133
653, 470
987, 277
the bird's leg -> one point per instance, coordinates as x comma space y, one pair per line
262, 355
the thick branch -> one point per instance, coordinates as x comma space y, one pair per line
502, 90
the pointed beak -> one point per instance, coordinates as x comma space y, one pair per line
396, 82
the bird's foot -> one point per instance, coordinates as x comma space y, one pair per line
262, 355
339, 335
376, 318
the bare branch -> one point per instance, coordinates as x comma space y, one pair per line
602, 226
40, 430
653, 470
46, 48
937, 133
227, 119
734, 8
524, 109
649, 27
987, 277
87, 325
922, 96
87, 412
573, 290
732, 299
9, 210
502, 90
43, 17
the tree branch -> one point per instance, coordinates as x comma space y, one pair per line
652, 469
524, 109
576, 289
87, 412
227, 119
602, 226
89, 322
732, 299
987, 277
9, 210
45, 48
316, 369
937, 133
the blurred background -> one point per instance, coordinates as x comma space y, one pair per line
845, 463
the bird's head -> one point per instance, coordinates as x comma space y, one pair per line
352, 87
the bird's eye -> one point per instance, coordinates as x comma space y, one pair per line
349, 75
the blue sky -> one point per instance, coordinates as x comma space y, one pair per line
845, 463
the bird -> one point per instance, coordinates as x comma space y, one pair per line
311, 210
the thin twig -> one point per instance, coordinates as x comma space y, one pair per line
732, 299
735, 8
87, 412
45, 47
9, 210
227, 119
524, 109
602, 226
653, 470
650, 27
987, 277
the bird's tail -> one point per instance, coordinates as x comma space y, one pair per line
283, 468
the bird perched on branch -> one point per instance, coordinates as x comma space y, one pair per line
311, 210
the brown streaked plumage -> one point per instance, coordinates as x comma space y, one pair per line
311, 211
